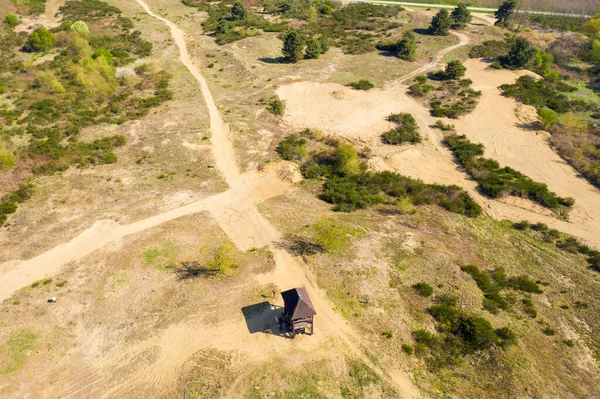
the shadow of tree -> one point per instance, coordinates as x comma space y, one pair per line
193, 269
422, 31
273, 60
300, 246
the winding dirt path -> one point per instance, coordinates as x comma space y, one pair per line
439, 58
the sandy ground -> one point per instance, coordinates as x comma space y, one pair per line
48, 18
235, 212
500, 123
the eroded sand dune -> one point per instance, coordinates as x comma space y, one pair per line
360, 117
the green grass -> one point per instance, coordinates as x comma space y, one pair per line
15, 350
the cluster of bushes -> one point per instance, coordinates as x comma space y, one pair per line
448, 95
580, 148
562, 241
492, 283
495, 181
362, 84
292, 148
406, 130
353, 28
460, 334
546, 93
10, 203
490, 49
405, 48
78, 88
274, 105
349, 186
296, 46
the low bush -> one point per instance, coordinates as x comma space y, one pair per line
423, 289
292, 148
495, 181
406, 130
275, 106
11, 20
362, 85
490, 49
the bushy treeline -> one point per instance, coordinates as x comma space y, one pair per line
353, 28
495, 181
562, 241
545, 93
348, 185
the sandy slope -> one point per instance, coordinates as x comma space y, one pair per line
48, 18
360, 117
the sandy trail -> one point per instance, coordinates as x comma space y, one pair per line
439, 58
360, 117
223, 151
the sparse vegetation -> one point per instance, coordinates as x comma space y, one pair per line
406, 130
362, 85
423, 289
448, 97
495, 181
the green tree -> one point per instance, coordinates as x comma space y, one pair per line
594, 53
505, 12
239, 11
548, 117
313, 48
293, 44
440, 23
346, 160
519, 55
11, 20
460, 16
477, 332
591, 27
455, 70
40, 40
80, 27
407, 47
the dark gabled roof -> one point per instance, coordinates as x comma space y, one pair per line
297, 303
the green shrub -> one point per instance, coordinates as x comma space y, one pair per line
408, 349
313, 48
529, 307
477, 332
525, 284
490, 49
406, 48
519, 54
362, 85
292, 148
423, 289
405, 131
331, 235
40, 40
455, 70
7, 160
275, 106
80, 27
496, 182
11, 20
549, 331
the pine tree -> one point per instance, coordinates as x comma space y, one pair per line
239, 11
505, 11
455, 70
440, 23
293, 44
460, 16
313, 48
520, 53
407, 47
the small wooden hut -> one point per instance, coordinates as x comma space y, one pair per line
298, 311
